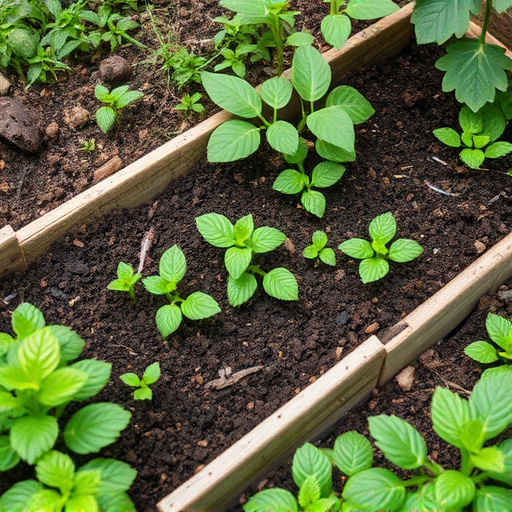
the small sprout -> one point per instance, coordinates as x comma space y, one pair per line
88, 146
190, 103
126, 280
318, 249
150, 376
375, 254
113, 102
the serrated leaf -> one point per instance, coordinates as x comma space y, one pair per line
492, 498
499, 330
326, 174
454, 490
99, 374
155, 285
281, 284
336, 29
313, 202
403, 250
473, 158
352, 101
272, 500
352, 453
106, 119
333, 125
482, 352
61, 385
242, 289
266, 239
33, 435
116, 476
18, 497
328, 256
237, 259
448, 136
71, 344
86, 483
383, 228
370, 9
357, 248
216, 229
56, 469
283, 137
199, 305
373, 269
310, 461
289, 181
311, 74
276, 92
8, 457
26, 319
470, 121
95, 426
489, 459
233, 140
168, 319
173, 265
152, 373
333, 153
498, 149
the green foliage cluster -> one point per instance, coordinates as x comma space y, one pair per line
114, 102
468, 425
150, 376
190, 102
318, 249
126, 280
39, 378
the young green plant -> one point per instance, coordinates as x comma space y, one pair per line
126, 280
318, 249
150, 376
190, 103
88, 146
243, 242
196, 306
114, 102
375, 254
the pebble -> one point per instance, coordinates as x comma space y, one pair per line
406, 378
76, 117
5, 85
52, 130
342, 318
372, 328
57, 294
20, 125
480, 247
115, 70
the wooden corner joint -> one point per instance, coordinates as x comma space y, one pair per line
12, 257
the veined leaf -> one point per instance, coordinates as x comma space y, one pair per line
448, 136
233, 140
168, 319
242, 289
26, 319
498, 149
311, 75
31, 436
353, 102
403, 250
216, 229
313, 202
334, 153
272, 499
281, 284
357, 248
276, 92
473, 158
300, 39
266, 239
492, 498
56, 469
60, 386
289, 181
383, 228
326, 174
173, 265
454, 490
336, 29
283, 137
470, 121
116, 476
98, 372
198, 305
333, 125
449, 415
18, 497
328, 256
8, 457
482, 351
237, 259
151, 373
248, 7
310, 461
499, 330
352, 453
370, 9
373, 269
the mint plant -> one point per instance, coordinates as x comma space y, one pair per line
150, 376
243, 242
87, 146
318, 249
196, 306
190, 103
375, 254
126, 280
480, 131
109, 115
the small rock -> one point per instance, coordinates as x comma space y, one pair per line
5, 85
480, 247
58, 294
339, 353
2, 165
52, 130
115, 69
20, 125
342, 318
106, 170
405, 378
76, 117
78, 243
372, 328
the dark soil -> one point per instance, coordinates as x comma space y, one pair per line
187, 425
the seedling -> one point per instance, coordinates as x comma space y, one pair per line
88, 146
242, 242
190, 103
119, 98
468, 425
480, 130
126, 280
196, 306
499, 330
319, 250
375, 254
150, 376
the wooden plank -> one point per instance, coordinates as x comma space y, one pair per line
10, 252
500, 25
311, 412
436, 317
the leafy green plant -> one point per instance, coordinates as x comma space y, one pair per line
126, 280
190, 103
318, 249
150, 376
88, 146
100, 484
375, 254
480, 131
113, 102
337, 25
468, 425
196, 306
38, 381
243, 242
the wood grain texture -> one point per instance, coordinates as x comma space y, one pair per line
310, 413
500, 26
11, 256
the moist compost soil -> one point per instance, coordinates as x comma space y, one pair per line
400, 168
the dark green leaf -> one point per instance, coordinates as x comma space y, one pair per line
353, 102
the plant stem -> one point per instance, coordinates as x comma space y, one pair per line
466, 466
302, 122
255, 269
434, 468
488, 8
312, 106
416, 481
333, 7
265, 122
275, 27
482, 477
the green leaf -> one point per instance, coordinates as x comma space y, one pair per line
99, 374
357, 248
233, 140
310, 252
243, 230
237, 259
155, 285
403, 250
61, 385
492, 498
128, 97
314, 202
19, 496
473, 158
152, 372
15, 378
311, 74
310, 461
124, 271
289, 182
328, 256
276, 92
336, 29
326, 174
26, 319
333, 153
352, 101
375, 489
489, 459
266, 239
242, 289
498, 149
216, 229
482, 352
373, 269
319, 239
199, 305
232, 94
86, 483
271, 500
248, 7
31, 436
116, 476
173, 265
383, 228
400, 442
499, 330
352, 453
143, 394
95, 426
370, 9
300, 39
448, 136
71, 345
300, 155
56, 469
82, 502
479, 141
309, 491
333, 125
454, 490
281, 284
130, 379
283, 137
493, 117
502, 5
168, 319
470, 121
8, 457
474, 70
106, 119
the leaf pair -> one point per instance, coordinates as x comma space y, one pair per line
126, 280
318, 249
150, 376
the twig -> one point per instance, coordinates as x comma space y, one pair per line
438, 160
144, 247
226, 379
441, 191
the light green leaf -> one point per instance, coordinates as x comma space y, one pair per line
99, 374
383, 228
313, 202
95, 426
479, 141
26, 319
155, 285
333, 153
333, 125
373, 269
266, 239
56, 469
370, 9
281, 284
352, 453
152, 373
71, 345
289, 182
8, 457
233, 140
173, 265
473, 158
82, 502
116, 476
130, 379
310, 461
143, 394
448, 136
357, 248
242, 289
489, 459
502, 5
300, 39
31, 436
199, 305
470, 121
276, 92
115, 502
328, 256
499, 330
128, 97
492, 498
310, 252
124, 271
237, 259
232, 94
15, 378
326, 174
498, 149
248, 7
506, 449
403, 250
106, 119
283, 137
243, 230
18, 497
300, 155
168, 319
61, 385
454, 490
319, 239
482, 352
353, 102
309, 492
6, 342
216, 229
336, 29
311, 74
270, 500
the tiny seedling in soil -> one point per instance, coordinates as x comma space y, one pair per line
88, 146
242, 242
109, 115
190, 103
196, 306
150, 376
375, 254
126, 280
482, 483
318, 249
